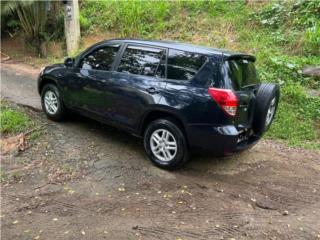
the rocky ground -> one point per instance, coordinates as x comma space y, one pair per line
82, 180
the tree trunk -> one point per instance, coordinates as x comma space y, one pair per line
43, 49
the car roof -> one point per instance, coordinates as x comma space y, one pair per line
209, 51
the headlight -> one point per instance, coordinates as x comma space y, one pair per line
41, 71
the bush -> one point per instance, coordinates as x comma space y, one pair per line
312, 39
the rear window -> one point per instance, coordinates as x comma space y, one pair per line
183, 65
240, 73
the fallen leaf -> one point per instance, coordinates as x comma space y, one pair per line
71, 191
16, 142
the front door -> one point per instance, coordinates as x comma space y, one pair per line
87, 86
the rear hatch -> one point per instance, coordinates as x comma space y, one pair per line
240, 76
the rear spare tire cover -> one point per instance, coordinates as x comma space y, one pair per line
267, 99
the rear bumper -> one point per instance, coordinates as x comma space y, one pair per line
220, 140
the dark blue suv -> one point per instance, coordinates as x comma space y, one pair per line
178, 97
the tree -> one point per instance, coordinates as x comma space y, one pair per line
32, 19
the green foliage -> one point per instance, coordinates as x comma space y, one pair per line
297, 14
84, 23
128, 17
302, 18
13, 121
32, 20
55, 26
296, 129
312, 39
284, 69
147, 18
39, 22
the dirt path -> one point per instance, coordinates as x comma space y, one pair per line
83, 180
19, 84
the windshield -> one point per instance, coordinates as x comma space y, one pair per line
240, 73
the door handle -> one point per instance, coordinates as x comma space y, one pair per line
152, 90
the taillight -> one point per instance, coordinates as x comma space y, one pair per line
226, 99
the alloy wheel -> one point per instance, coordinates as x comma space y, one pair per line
51, 102
163, 145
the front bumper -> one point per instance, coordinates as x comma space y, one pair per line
221, 140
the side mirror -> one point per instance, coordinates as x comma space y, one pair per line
68, 62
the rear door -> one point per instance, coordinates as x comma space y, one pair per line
139, 76
240, 75
182, 68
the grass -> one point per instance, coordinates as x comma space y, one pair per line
13, 120
298, 131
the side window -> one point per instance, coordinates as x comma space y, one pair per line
183, 65
143, 61
100, 59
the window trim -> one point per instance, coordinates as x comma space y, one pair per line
95, 48
123, 46
141, 46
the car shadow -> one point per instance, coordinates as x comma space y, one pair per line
199, 161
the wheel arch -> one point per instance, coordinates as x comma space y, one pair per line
162, 113
46, 80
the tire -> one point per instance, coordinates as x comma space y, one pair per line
50, 90
176, 158
267, 99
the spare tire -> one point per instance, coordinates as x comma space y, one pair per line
266, 105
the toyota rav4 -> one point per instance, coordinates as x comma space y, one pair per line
177, 97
